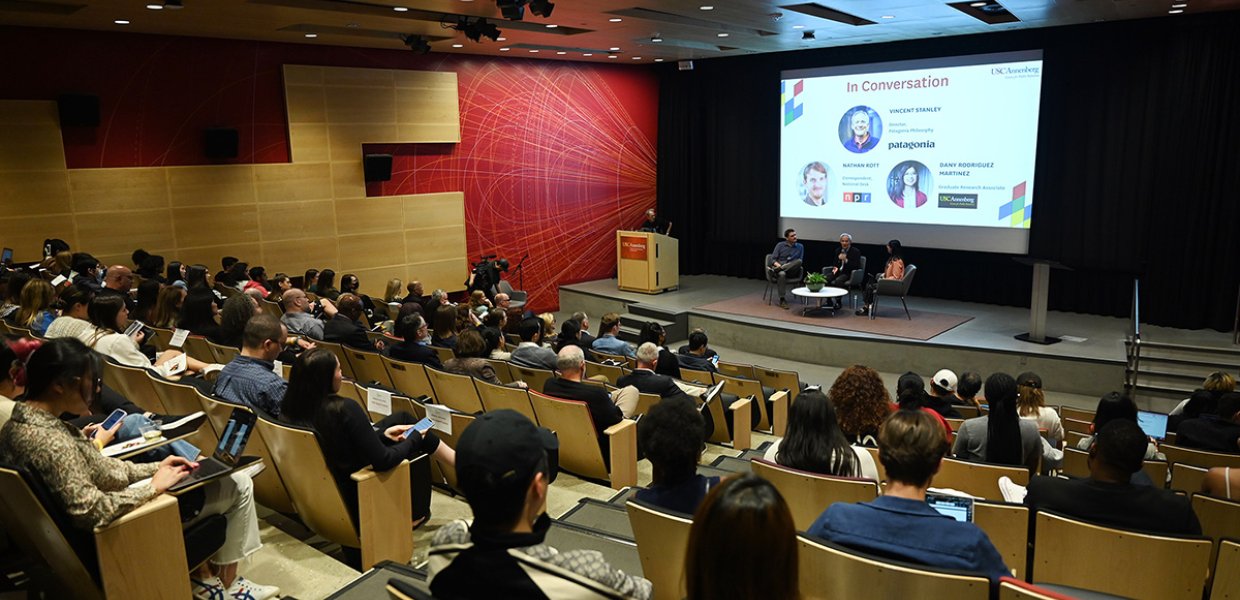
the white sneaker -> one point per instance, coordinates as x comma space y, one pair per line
1012, 491
208, 589
244, 589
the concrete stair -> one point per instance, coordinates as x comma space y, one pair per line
1174, 370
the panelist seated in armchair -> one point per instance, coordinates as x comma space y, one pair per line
893, 270
63, 376
785, 264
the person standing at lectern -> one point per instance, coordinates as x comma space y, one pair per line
785, 262
847, 259
655, 224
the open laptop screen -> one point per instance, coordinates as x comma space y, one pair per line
1153, 424
236, 434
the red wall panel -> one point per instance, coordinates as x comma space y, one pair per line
555, 156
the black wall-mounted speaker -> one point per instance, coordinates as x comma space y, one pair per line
78, 110
378, 167
220, 142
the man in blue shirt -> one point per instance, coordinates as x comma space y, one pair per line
899, 524
607, 340
250, 378
785, 263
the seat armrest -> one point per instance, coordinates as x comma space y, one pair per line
741, 419
142, 553
623, 444
384, 514
779, 413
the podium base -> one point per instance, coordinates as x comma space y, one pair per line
1046, 340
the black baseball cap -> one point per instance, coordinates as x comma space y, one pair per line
507, 445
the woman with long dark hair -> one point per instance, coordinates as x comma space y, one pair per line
904, 185
894, 269
654, 333
326, 285
744, 511
148, 296
349, 440
110, 316
815, 443
443, 326
570, 335
310, 281
176, 272
1000, 437
198, 312
196, 277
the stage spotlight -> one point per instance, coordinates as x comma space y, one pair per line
541, 8
808, 35
416, 43
513, 10
477, 29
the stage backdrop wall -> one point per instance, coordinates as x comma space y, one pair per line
1138, 142
554, 156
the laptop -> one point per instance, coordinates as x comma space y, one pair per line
1153, 424
956, 507
227, 456
6, 257
712, 392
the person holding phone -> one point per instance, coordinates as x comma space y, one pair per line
348, 439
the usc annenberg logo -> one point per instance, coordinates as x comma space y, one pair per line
1015, 70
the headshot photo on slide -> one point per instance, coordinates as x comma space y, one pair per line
908, 185
813, 183
860, 129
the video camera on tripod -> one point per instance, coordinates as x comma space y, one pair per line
485, 275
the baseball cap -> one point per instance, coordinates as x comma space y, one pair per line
945, 379
507, 445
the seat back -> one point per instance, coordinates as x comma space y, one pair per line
535, 378
600, 356
739, 370
222, 354
455, 391
1199, 458
1080, 414
1015, 589
739, 437
181, 399
662, 541
1076, 426
907, 282
159, 338
613, 373
571, 421
134, 384
968, 412
1078, 554
808, 494
857, 277
498, 397
1187, 478
696, 376
345, 367
645, 402
269, 487
409, 378
1220, 519
978, 479
1007, 526
36, 533
444, 354
367, 366
460, 421
319, 503
1075, 463
780, 380
831, 571
1227, 572
502, 370
746, 388
196, 347
271, 308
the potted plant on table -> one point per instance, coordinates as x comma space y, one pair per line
815, 281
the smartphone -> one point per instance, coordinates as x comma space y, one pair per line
420, 427
134, 327
112, 419
6, 257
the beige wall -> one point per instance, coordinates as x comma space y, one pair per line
312, 212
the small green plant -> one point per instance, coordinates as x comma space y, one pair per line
815, 279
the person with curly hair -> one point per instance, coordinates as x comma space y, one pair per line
861, 403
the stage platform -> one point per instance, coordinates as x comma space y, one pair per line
1089, 362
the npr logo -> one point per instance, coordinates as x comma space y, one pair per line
857, 197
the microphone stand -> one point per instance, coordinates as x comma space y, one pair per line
520, 270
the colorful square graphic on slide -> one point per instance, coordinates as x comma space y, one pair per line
1017, 210
792, 104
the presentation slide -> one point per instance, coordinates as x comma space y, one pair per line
937, 153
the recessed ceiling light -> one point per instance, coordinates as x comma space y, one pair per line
1181, 5
614, 49
504, 49
154, 6
612, 56
721, 34
637, 58
121, 22
561, 52
658, 60
551, 26
1176, 11
458, 45
887, 17
706, 7
614, 20
656, 39
587, 54
501, 39
312, 35
978, 4
400, 9
798, 27
533, 52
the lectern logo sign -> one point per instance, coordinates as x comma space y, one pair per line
633, 247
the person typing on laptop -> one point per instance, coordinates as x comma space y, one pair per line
94, 490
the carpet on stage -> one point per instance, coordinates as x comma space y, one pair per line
890, 321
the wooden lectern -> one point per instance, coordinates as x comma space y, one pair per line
647, 262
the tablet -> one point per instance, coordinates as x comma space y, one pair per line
1153, 424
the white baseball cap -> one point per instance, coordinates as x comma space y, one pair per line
945, 379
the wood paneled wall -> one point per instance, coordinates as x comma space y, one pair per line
312, 212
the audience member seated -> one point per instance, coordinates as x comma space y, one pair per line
167, 309
257, 280
1215, 432
415, 346
350, 284
250, 377
570, 334
310, 281
815, 443
349, 441
74, 319
861, 404
87, 270
607, 341
943, 387
443, 323
530, 353
1222, 482
175, 274
278, 284
297, 314
584, 319
110, 317
391, 292
605, 409
494, 338
117, 281
694, 356
1204, 400
236, 313
196, 277
1031, 404
13, 293
1001, 437
93, 490
646, 378
470, 359
899, 524
1111, 406
147, 296
325, 285
35, 311
1108, 497
416, 293
744, 513
668, 364
198, 313
344, 328
432, 303
672, 435
504, 465
968, 387
911, 394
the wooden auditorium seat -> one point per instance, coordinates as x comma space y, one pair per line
977, 478
579, 448
808, 494
269, 487
134, 384
778, 379
498, 397
662, 541
772, 412
831, 571
535, 378
409, 378
367, 367
1007, 526
455, 391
